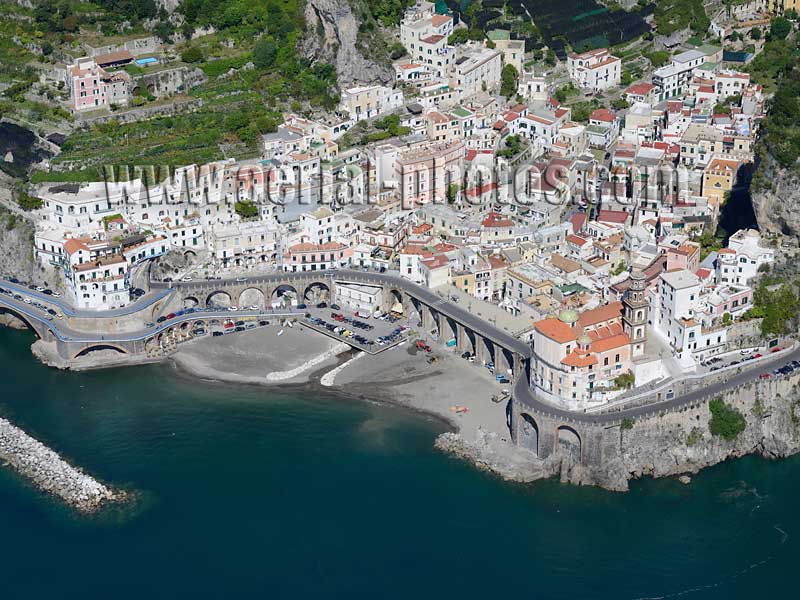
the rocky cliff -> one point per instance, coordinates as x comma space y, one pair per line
673, 444
332, 36
776, 197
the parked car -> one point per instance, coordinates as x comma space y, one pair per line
216, 333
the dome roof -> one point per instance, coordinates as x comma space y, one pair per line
568, 316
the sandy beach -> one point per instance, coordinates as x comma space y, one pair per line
260, 356
401, 375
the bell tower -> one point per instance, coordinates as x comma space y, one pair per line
634, 313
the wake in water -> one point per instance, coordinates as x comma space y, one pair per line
721, 582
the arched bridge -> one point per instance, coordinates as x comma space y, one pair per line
449, 320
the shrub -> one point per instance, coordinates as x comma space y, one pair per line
726, 422
192, 54
246, 209
627, 423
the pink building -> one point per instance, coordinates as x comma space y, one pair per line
91, 87
425, 172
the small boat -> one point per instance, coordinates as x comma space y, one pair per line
280, 332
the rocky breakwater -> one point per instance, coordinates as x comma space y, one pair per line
52, 474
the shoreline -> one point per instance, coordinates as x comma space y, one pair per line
673, 445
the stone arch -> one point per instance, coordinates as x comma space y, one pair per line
395, 297
219, 298
317, 291
490, 350
252, 296
102, 346
470, 335
22, 318
508, 358
190, 254
451, 331
283, 294
529, 433
568, 443
190, 302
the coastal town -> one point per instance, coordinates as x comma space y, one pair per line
558, 225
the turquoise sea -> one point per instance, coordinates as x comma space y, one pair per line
253, 493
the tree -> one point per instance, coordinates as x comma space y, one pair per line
246, 209
726, 422
452, 193
627, 423
192, 54
264, 53
755, 33
619, 104
624, 380
508, 81
28, 202
780, 28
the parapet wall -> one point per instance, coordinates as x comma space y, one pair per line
663, 443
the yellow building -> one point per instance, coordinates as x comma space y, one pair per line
718, 178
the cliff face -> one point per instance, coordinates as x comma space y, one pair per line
663, 446
332, 36
776, 198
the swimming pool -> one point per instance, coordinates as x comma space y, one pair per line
146, 61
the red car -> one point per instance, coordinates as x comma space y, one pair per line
757, 356
766, 376
170, 316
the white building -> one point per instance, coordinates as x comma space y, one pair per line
739, 262
100, 284
477, 71
366, 102
674, 78
595, 70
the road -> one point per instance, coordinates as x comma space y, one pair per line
524, 394
388, 280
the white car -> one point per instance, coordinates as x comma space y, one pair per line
40, 288
56, 295
233, 308
186, 279
241, 279
27, 300
746, 351
254, 307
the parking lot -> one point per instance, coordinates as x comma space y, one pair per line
372, 334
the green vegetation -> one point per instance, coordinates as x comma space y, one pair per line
709, 242
28, 202
566, 91
513, 146
624, 381
777, 307
726, 422
627, 423
388, 127
461, 36
724, 107
192, 54
582, 110
246, 209
508, 81
452, 193
620, 104
695, 435
779, 28
658, 58
674, 15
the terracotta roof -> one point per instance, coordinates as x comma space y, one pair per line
612, 216
600, 314
556, 330
72, 245
577, 358
578, 241
609, 343
437, 20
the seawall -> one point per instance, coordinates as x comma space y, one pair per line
52, 474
